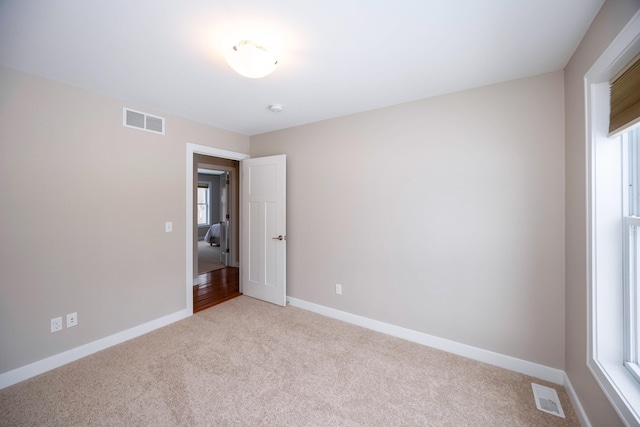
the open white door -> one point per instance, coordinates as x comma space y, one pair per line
264, 230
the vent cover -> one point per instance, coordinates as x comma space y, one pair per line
547, 400
144, 121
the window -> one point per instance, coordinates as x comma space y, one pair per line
614, 255
631, 209
204, 193
613, 214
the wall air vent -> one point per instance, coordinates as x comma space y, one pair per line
144, 121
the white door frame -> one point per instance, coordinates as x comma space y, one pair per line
207, 151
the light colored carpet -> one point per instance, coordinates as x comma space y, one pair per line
208, 257
245, 362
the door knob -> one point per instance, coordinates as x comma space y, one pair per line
280, 237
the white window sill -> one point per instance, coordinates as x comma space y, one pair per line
621, 387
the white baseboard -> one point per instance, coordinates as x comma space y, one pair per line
44, 365
577, 406
546, 373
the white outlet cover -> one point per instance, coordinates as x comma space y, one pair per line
72, 319
56, 324
168, 226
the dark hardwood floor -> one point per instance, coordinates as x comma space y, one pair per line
215, 287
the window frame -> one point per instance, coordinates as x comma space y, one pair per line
606, 271
631, 236
203, 184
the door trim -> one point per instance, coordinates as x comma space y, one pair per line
207, 151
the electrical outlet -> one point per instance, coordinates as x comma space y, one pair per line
56, 324
168, 227
338, 289
72, 319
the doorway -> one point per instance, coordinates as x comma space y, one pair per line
216, 219
223, 283
221, 228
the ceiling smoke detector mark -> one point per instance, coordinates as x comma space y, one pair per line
142, 121
547, 400
276, 108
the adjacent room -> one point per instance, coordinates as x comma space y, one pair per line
216, 272
319, 213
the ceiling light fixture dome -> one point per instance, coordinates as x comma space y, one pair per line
251, 60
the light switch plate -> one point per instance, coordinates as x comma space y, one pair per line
168, 226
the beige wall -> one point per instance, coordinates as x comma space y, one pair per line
84, 201
609, 22
445, 216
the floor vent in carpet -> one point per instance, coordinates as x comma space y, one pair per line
547, 400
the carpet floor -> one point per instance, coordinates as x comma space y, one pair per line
208, 257
247, 363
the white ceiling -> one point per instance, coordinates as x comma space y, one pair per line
336, 57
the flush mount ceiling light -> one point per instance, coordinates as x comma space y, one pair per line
251, 60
